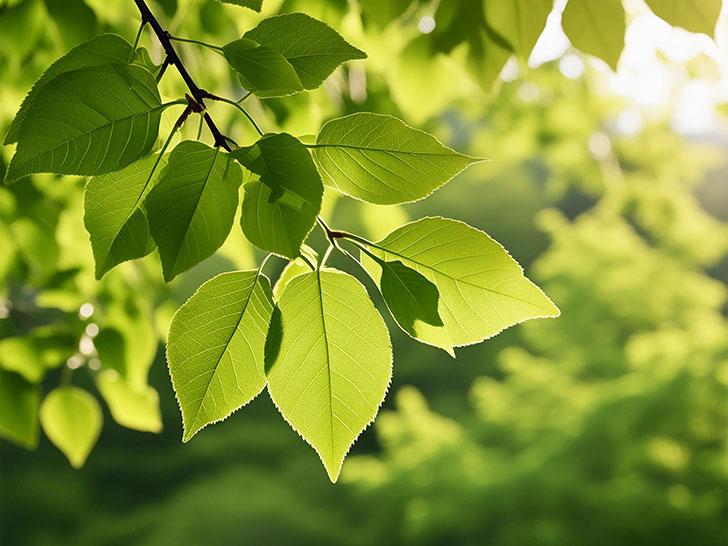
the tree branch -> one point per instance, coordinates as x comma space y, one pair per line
173, 59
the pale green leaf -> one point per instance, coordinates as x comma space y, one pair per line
518, 21
313, 48
72, 420
382, 160
596, 27
32, 354
216, 345
330, 362
98, 51
255, 5
693, 15
111, 349
137, 409
292, 270
280, 208
114, 214
262, 70
482, 289
89, 121
192, 206
19, 401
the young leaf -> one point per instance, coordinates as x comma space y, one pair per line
381, 160
137, 409
255, 5
330, 362
261, 69
89, 121
412, 299
279, 209
216, 345
192, 207
693, 15
114, 215
19, 401
519, 21
313, 48
99, 51
596, 27
482, 289
72, 420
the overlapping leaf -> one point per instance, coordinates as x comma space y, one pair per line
72, 420
192, 207
280, 208
216, 347
313, 48
261, 69
382, 160
114, 214
482, 290
519, 21
88, 121
330, 362
596, 27
134, 408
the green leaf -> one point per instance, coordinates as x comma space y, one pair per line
292, 270
482, 289
216, 345
261, 69
279, 209
330, 362
693, 15
114, 214
111, 349
192, 207
255, 5
72, 420
313, 48
381, 160
99, 51
137, 409
412, 299
19, 401
89, 121
519, 21
596, 27
31, 355
143, 59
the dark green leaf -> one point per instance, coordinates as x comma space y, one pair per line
19, 401
261, 69
279, 209
191, 208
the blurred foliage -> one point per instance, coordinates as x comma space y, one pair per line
606, 426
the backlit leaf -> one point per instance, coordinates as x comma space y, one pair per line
192, 206
330, 362
693, 15
381, 160
255, 5
518, 21
261, 69
72, 420
137, 409
280, 208
313, 48
19, 401
596, 27
482, 289
89, 121
215, 348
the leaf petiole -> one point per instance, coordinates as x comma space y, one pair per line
198, 42
136, 41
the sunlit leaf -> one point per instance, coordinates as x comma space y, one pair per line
114, 214
330, 362
216, 345
313, 48
279, 209
255, 5
693, 15
89, 121
262, 70
19, 401
31, 355
596, 27
293, 269
72, 420
518, 21
482, 289
137, 409
381, 160
191, 208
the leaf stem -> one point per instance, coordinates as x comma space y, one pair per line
308, 262
236, 105
136, 41
326, 255
242, 99
198, 42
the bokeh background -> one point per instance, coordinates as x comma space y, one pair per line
605, 426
